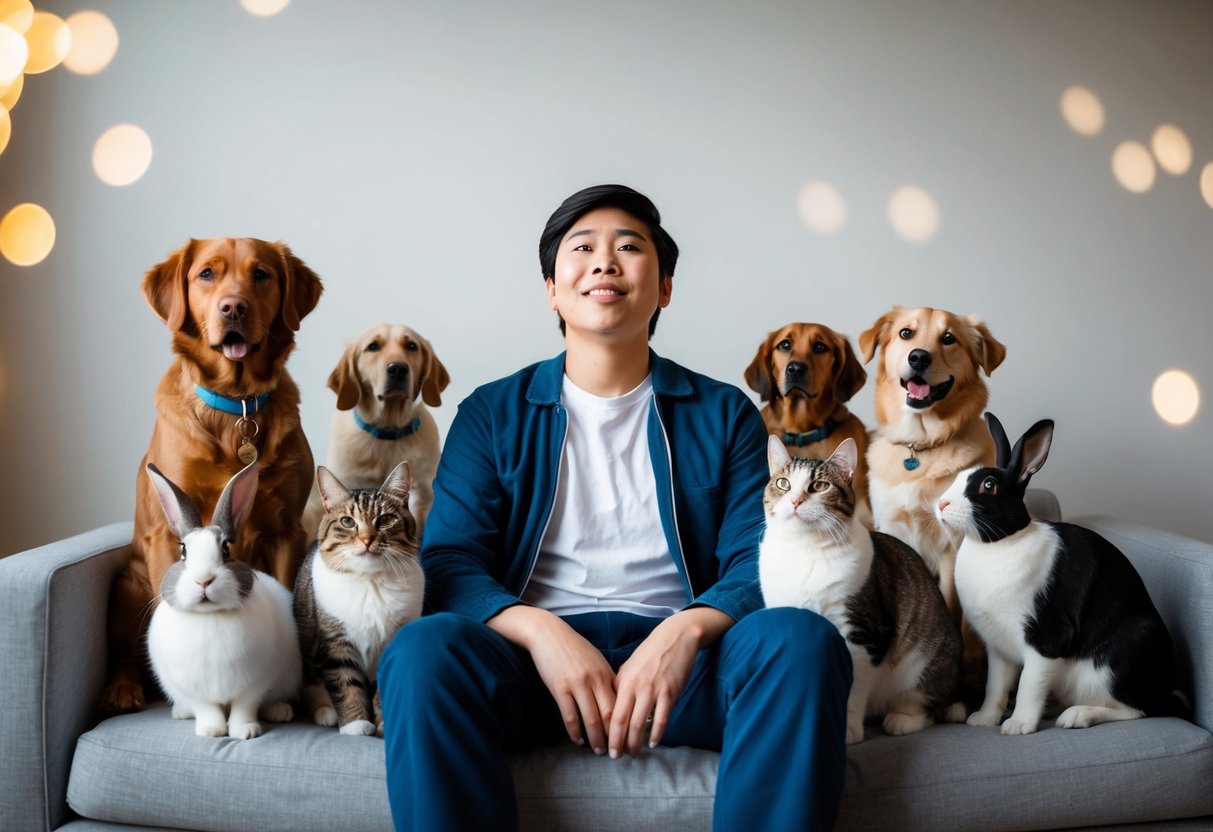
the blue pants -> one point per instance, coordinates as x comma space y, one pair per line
770, 696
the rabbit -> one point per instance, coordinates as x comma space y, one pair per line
1053, 599
223, 633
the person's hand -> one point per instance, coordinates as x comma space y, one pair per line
653, 678
578, 677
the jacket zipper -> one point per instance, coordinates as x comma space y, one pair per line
551, 505
686, 572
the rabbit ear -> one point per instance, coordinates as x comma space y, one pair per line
179, 509
1002, 446
846, 456
236, 499
777, 454
399, 482
1031, 451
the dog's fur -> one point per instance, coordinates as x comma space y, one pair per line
389, 373
233, 328
946, 427
825, 375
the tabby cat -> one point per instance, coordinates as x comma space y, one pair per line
816, 554
359, 583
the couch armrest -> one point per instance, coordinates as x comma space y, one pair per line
1178, 572
53, 602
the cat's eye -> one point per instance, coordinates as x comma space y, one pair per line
782, 484
227, 550
948, 339
347, 521
906, 334
989, 486
819, 486
784, 346
386, 520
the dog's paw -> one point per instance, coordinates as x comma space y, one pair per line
358, 728
277, 712
122, 697
325, 715
900, 724
955, 713
1016, 727
244, 730
984, 719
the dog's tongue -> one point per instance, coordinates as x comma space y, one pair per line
918, 390
236, 351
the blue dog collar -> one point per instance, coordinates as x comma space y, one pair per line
799, 440
388, 433
236, 407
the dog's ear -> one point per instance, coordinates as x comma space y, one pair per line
850, 376
988, 352
758, 374
301, 288
166, 287
435, 378
345, 381
872, 338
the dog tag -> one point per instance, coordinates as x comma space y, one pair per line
910, 463
247, 452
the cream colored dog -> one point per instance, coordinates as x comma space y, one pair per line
386, 377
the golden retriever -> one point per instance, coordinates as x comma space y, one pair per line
233, 307
387, 376
806, 373
930, 396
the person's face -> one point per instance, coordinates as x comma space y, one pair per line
607, 280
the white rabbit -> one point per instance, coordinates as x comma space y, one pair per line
223, 634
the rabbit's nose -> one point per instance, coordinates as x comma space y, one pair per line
944, 504
205, 582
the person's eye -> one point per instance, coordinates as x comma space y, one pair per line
629, 247
583, 247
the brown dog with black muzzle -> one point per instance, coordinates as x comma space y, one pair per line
806, 373
233, 306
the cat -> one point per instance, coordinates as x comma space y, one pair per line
816, 554
359, 583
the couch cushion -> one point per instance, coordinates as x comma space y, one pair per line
150, 769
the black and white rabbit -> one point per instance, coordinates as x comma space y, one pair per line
1054, 599
223, 634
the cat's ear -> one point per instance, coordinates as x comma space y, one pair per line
845, 457
777, 454
332, 492
1031, 451
399, 483
237, 498
1002, 447
179, 509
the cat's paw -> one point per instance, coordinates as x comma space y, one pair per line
244, 730
182, 712
901, 724
854, 733
325, 715
1015, 727
379, 729
358, 728
210, 728
277, 712
984, 718
955, 713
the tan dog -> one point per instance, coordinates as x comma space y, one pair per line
806, 373
387, 376
930, 396
233, 306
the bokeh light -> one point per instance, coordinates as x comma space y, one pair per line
94, 42
1082, 110
49, 40
17, 13
122, 154
11, 93
27, 234
1206, 184
821, 207
1176, 397
14, 52
6, 128
1133, 167
913, 214
1172, 149
264, 8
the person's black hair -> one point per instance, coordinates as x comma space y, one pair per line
607, 196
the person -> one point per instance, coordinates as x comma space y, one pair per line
591, 566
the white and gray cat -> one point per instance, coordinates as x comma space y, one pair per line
816, 554
359, 583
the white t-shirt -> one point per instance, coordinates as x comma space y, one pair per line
604, 548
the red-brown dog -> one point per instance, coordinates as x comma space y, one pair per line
233, 306
806, 373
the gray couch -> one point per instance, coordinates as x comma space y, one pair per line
62, 769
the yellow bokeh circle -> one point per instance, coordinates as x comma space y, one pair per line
1176, 397
94, 42
14, 52
122, 154
1172, 149
11, 93
264, 8
49, 40
27, 234
17, 13
913, 214
1206, 184
6, 128
1133, 167
1082, 110
821, 207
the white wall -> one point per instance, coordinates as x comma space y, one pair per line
411, 152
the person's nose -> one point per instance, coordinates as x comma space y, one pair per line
607, 264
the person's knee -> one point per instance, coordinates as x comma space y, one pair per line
799, 637
423, 647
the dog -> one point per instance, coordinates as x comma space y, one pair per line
929, 401
806, 373
386, 377
233, 307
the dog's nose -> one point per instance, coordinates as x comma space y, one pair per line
233, 307
920, 359
796, 369
397, 369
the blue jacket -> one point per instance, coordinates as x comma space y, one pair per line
496, 485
